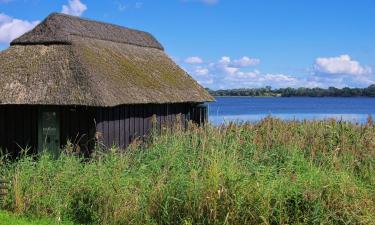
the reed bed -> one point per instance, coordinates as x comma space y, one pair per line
271, 172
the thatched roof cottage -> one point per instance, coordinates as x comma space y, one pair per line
73, 78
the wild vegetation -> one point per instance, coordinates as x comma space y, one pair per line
271, 172
298, 92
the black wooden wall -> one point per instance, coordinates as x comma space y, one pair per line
121, 125
86, 126
18, 128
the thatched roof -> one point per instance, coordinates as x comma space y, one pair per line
60, 29
66, 60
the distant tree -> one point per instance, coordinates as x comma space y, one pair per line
302, 91
370, 91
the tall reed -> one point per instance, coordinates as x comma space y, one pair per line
271, 172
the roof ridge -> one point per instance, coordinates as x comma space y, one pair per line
57, 27
94, 21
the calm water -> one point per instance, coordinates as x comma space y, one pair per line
227, 109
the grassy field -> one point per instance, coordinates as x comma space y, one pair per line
272, 172
7, 218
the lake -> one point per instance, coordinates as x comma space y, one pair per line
253, 109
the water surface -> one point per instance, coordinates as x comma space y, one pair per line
253, 109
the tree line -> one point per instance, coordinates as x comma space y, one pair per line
297, 92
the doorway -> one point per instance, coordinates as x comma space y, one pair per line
49, 130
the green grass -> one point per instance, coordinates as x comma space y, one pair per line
7, 218
272, 172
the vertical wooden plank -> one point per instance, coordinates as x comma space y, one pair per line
87, 129
99, 124
141, 121
154, 116
116, 124
91, 128
158, 117
162, 116
131, 123
183, 116
11, 129
165, 115
169, 113
137, 121
82, 127
105, 126
112, 127
179, 115
18, 125
151, 113
62, 126
26, 126
148, 118
126, 126
81, 114
187, 114
145, 120
122, 126
107, 117
72, 124
6, 127
34, 128
2, 128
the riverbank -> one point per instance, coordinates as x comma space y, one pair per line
271, 172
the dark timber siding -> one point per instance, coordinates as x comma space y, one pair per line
123, 124
18, 128
83, 126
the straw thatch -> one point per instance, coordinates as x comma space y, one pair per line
82, 62
60, 29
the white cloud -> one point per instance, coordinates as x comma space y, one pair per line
223, 65
227, 73
193, 60
127, 6
201, 71
257, 79
246, 61
74, 8
11, 28
342, 64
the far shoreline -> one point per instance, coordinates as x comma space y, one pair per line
234, 96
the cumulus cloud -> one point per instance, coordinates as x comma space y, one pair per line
228, 73
257, 79
229, 66
11, 28
127, 6
240, 73
193, 60
201, 71
342, 64
246, 61
74, 8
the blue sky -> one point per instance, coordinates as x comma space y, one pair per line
236, 43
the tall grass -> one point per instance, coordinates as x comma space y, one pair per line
272, 172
